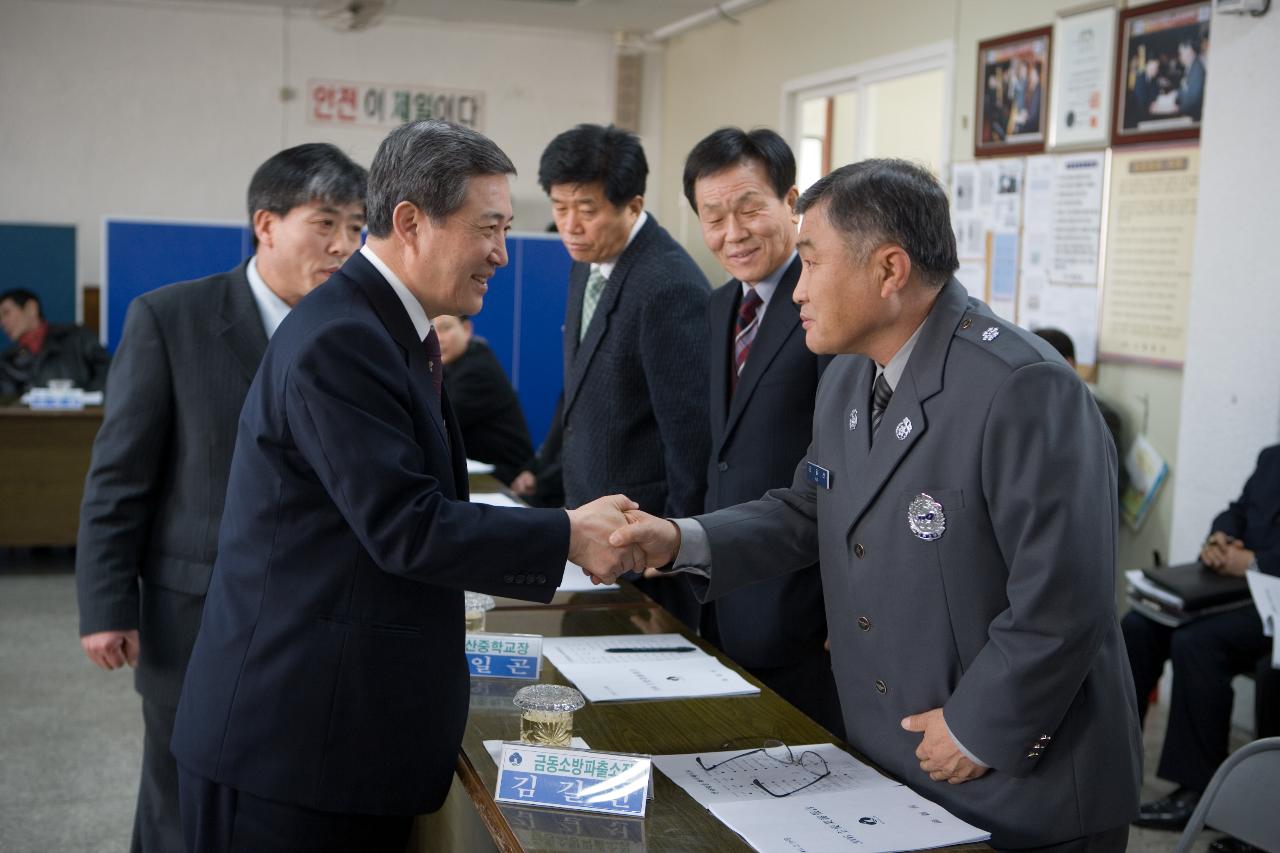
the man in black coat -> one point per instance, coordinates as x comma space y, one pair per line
1208, 652
488, 411
634, 415
763, 381
153, 498
43, 351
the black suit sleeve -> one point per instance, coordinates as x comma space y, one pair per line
674, 357
96, 360
116, 513
349, 406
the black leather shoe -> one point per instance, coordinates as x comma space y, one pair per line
1171, 812
1227, 844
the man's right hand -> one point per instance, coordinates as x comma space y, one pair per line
111, 649
525, 484
589, 528
657, 538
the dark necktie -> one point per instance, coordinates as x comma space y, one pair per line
745, 332
880, 395
431, 344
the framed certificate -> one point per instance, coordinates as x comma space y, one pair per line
1083, 59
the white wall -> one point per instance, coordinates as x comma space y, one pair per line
1231, 383
165, 110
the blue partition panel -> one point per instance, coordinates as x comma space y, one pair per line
544, 290
141, 256
41, 259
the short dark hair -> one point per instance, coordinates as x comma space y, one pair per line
885, 200
1060, 341
430, 165
20, 296
316, 171
730, 146
589, 153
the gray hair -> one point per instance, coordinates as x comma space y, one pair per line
429, 164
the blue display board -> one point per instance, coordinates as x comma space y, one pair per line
522, 317
41, 259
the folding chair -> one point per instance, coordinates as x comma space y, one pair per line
1241, 799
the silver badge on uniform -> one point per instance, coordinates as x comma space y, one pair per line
925, 518
903, 429
990, 334
853, 419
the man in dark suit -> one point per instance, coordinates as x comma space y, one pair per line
634, 417
153, 497
1208, 652
968, 582
327, 691
763, 380
487, 408
43, 351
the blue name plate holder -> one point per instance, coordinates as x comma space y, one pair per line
505, 655
579, 780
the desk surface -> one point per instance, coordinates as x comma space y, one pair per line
675, 821
44, 457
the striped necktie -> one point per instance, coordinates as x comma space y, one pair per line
880, 395
591, 298
747, 326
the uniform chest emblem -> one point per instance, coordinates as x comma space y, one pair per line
990, 334
903, 429
853, 419
925, 518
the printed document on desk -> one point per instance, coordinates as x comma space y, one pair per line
642, 666
575, 580
876, 820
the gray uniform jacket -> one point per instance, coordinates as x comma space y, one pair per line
1006, 620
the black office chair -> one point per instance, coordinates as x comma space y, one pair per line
1241, 799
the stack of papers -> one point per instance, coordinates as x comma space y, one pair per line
642, 666
853, 805
1265, 590
474, 467
494, 499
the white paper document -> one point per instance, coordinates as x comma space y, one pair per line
1265, 590
474, 467
731, 781
494, 499
642, 666
576, 581
870, 821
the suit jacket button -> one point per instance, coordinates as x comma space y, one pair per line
541, 578
858, 550
881, 687
519, 579
722, 467
864, 623
508, 578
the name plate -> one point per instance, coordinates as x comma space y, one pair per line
575, 779
505, 655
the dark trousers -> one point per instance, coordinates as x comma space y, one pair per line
156, 824
218, 819
1109, 841
1206, 653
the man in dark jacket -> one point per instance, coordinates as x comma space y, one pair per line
43, 351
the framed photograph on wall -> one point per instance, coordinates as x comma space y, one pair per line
1083, 59
1160, 71
1013, 83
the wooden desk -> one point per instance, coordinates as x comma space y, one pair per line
44, 457
675, 821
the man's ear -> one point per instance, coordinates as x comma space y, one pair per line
635, 205
408, 222
892, 265
264, 227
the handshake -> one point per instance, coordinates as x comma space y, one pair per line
611, 536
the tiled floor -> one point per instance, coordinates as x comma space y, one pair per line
71, 735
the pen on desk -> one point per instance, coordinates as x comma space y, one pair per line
628, 650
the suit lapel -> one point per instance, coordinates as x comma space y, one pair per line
241, 327
723, 308
580, 360
781, 319
457, 452
391, 312
904, 421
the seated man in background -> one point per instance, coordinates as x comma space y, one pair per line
1208, 652
44, 351
484, 403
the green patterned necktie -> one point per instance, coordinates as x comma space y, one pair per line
595, 286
